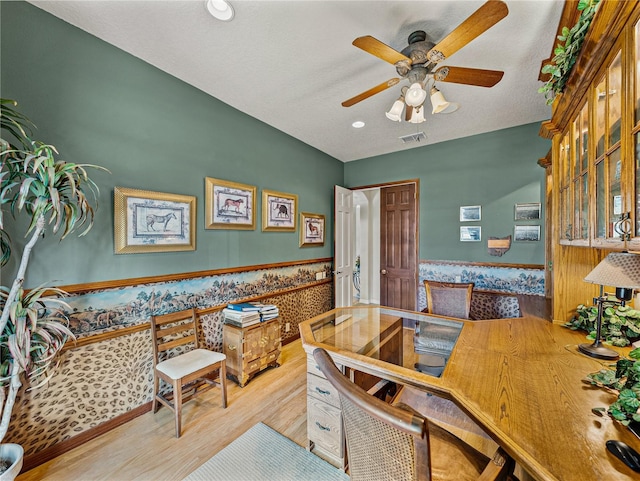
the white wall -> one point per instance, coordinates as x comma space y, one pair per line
367, 243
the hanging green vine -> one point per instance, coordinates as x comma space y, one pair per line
566, 52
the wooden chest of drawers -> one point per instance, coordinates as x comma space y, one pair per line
251, 350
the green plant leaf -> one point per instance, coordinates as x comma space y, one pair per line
566, 52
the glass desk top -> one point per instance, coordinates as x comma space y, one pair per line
410, 339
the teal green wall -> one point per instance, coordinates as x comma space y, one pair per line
100, 105
494, 170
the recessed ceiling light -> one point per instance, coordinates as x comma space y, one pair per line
358, 124
220, 9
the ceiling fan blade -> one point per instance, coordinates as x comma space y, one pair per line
372, 91
468, 76
383, 51
479, 22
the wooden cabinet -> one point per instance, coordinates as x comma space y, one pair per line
252, 349
597, 177
596, 118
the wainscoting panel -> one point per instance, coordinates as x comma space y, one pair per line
108, 372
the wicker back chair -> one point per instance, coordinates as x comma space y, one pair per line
386, 442
449, 298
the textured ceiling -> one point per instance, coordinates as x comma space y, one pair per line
291, 63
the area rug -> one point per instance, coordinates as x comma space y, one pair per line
262, 454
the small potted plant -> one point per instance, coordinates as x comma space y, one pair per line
52, 194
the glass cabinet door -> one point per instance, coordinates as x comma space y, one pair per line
615, 191
609, 201
583, 175
566, 221
636, 125
614, 101
578, 159
601, 215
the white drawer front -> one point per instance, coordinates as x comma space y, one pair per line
312, 367
320, 388
324, 426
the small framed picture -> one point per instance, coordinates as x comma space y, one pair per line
470, 233
527, 211
526, 233
147, 221
279, 211
470, 213
311, 230
229, 205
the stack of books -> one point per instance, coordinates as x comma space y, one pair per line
241, 315
267, 311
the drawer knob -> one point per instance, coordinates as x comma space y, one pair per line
231, 347
324, 428
323, 392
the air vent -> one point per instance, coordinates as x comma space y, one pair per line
417, 137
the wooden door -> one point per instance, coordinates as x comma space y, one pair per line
398, 247
343, 247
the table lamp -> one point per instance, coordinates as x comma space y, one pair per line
622, 271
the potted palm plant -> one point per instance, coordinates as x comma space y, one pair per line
52, 194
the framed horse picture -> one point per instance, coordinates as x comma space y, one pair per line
229, 205
146, 221
311, 230
279, 211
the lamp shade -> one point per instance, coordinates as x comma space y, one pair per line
440, 104
395, 112
417, 115
416, 95
618, 269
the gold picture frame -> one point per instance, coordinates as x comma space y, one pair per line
279, 211
146, 221
311, 229
229, 205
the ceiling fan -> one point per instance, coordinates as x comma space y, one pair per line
418, 63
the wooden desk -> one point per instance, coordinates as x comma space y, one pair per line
521, 380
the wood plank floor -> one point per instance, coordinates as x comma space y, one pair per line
146, 449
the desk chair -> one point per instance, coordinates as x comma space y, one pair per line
397, 443
187, 371
449, 298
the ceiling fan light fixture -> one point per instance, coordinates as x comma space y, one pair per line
416, 95
395, 112
220, 9
440, 104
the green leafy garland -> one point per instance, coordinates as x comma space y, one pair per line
620, 324
625, 382
566, 52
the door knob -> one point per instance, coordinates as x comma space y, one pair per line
383, 272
